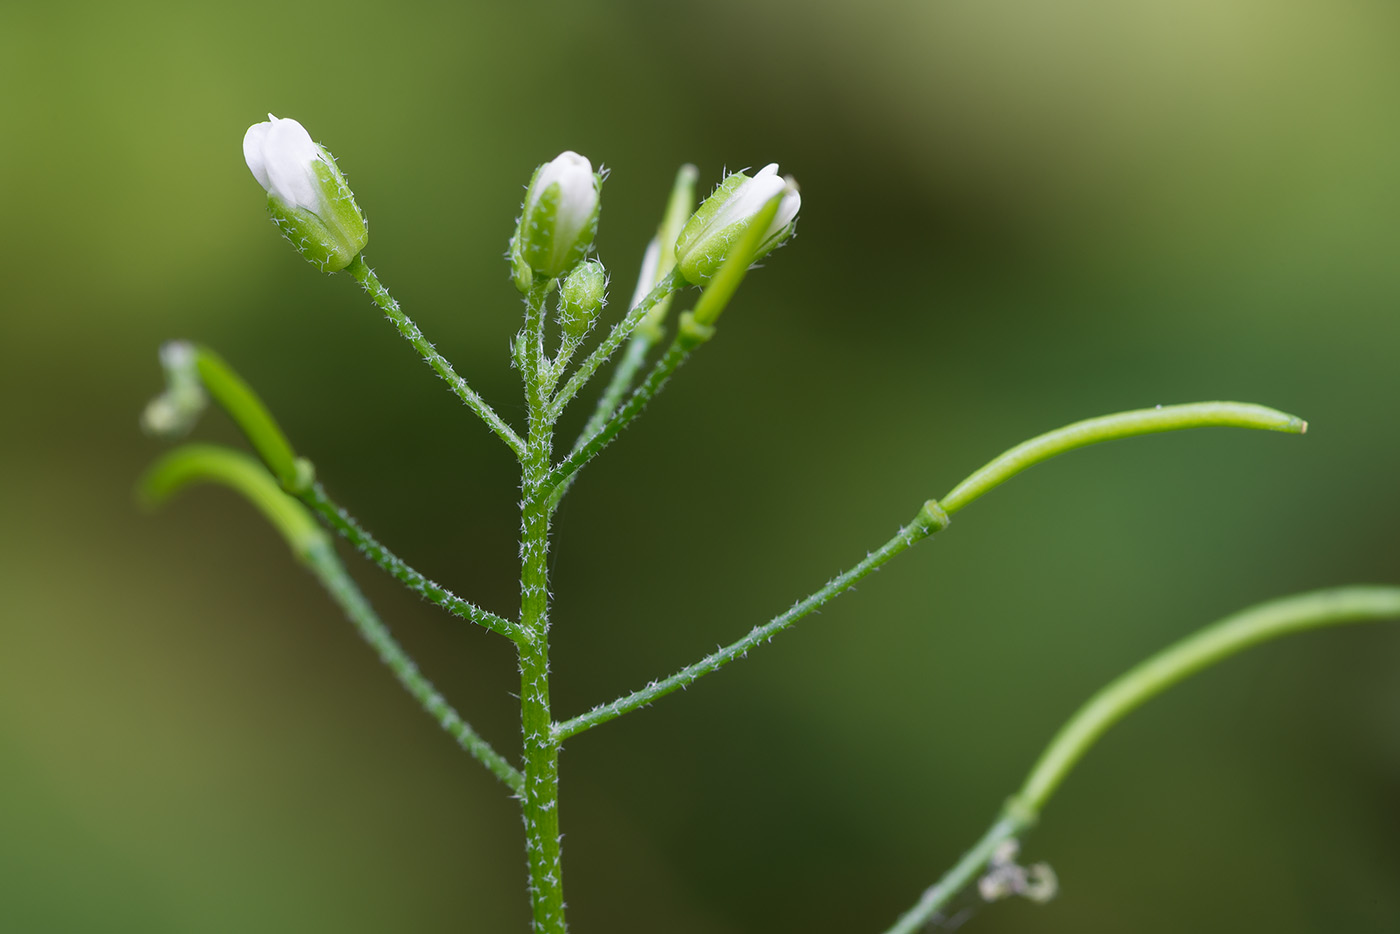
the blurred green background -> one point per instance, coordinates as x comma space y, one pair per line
1015, 215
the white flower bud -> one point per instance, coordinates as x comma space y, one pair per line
560, 214
712, 231
306, 194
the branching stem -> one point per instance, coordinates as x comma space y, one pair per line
935, 515
194, 463
562, 475
605, 349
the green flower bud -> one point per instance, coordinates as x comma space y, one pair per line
175, 411
581, 296
306, 194
560, 215
712, 231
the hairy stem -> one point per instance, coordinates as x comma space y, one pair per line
562, 475
351, 530
328, 569
619, 333
376, 291
1201, 650
659, 260
935, 514
194, 463
928, 521
540, 798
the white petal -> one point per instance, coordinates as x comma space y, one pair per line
646, 279
289, 155
787, 209
749, 198
253, 142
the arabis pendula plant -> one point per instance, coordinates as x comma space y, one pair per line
560, 215
745, 218
306, 194
707, 238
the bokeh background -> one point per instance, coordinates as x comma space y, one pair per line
1015, 215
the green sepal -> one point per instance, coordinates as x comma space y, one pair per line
701, 251
581, 295
331, 239
539, 246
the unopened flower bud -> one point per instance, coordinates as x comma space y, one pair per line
306, 194
582, 294
560, 214
712, 231
174, 412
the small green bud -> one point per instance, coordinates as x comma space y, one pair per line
174, 412
712, 231
306, 194
559, 218
583, 293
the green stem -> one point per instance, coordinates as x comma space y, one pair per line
632, 359
328, 569
660, 259
193, 463
696, 327
928, 521
350, 529
1201, 650
1001, 469
1111, 427
252, 417
619, 333
958, 878
540, 796
376, 291
1207, 647
562, 475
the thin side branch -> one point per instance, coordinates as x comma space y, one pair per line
619, 333
929, 520
1207, 647
328, 569
562, 474
351, 530
411, 332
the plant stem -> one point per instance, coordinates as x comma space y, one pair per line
1200, 650
1173, 664
619, 333
561, 476
1111, 427
351, 530
659, 260
988, 477
376, 291
925, 523
540, 798
957, 878
192, 463
328, 569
